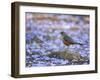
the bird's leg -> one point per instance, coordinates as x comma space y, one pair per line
69, 47
66, 47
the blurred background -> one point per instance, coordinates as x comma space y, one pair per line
44, 46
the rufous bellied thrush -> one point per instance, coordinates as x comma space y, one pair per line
67, 40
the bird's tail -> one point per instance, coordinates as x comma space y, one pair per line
80, 43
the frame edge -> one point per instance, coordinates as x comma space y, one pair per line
15, 40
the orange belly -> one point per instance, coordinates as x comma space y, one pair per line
66, 42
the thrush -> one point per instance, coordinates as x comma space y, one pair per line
67, 40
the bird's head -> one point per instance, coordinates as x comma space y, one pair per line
62, 33
61, 37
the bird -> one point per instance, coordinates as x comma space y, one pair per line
67, 40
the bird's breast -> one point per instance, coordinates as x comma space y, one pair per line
66, 42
